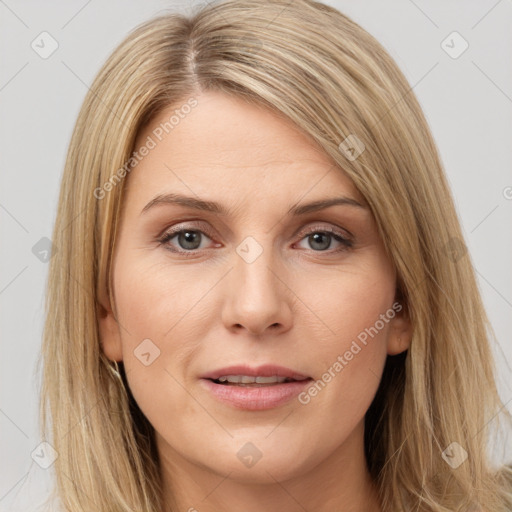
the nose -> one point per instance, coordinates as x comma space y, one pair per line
258, 297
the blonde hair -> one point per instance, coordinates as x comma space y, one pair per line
309, 63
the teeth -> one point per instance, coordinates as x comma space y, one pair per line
249, 379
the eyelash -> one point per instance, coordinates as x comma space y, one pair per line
170, 234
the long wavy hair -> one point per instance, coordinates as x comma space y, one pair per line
311, 64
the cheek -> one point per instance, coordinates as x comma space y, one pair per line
346, 300
162, 327
156, 299
348, 333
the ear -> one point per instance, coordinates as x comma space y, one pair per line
110, 334
400, 333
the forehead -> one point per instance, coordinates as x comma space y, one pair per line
227, 145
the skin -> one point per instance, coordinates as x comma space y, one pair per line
296, 305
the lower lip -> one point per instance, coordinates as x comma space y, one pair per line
256, 398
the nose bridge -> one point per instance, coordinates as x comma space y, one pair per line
258, 298
253, 267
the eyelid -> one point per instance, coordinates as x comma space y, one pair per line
191, 225
329, 229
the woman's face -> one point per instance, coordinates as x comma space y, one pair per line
244, 273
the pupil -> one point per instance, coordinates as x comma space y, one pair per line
317, 238
189, 239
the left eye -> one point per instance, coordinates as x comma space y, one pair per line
190, 240
320, 240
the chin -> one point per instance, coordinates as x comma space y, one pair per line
263, 472
259, 464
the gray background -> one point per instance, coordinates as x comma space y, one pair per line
467, 101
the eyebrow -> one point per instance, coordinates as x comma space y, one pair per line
213, 207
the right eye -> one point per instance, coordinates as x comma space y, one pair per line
187, 239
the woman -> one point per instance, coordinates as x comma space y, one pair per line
261, 297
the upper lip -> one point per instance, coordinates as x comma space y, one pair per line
266, 370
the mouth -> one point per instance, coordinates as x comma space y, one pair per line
255, 392
245, 374
254, 382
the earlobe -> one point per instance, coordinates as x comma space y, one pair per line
109, 334
400, 335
